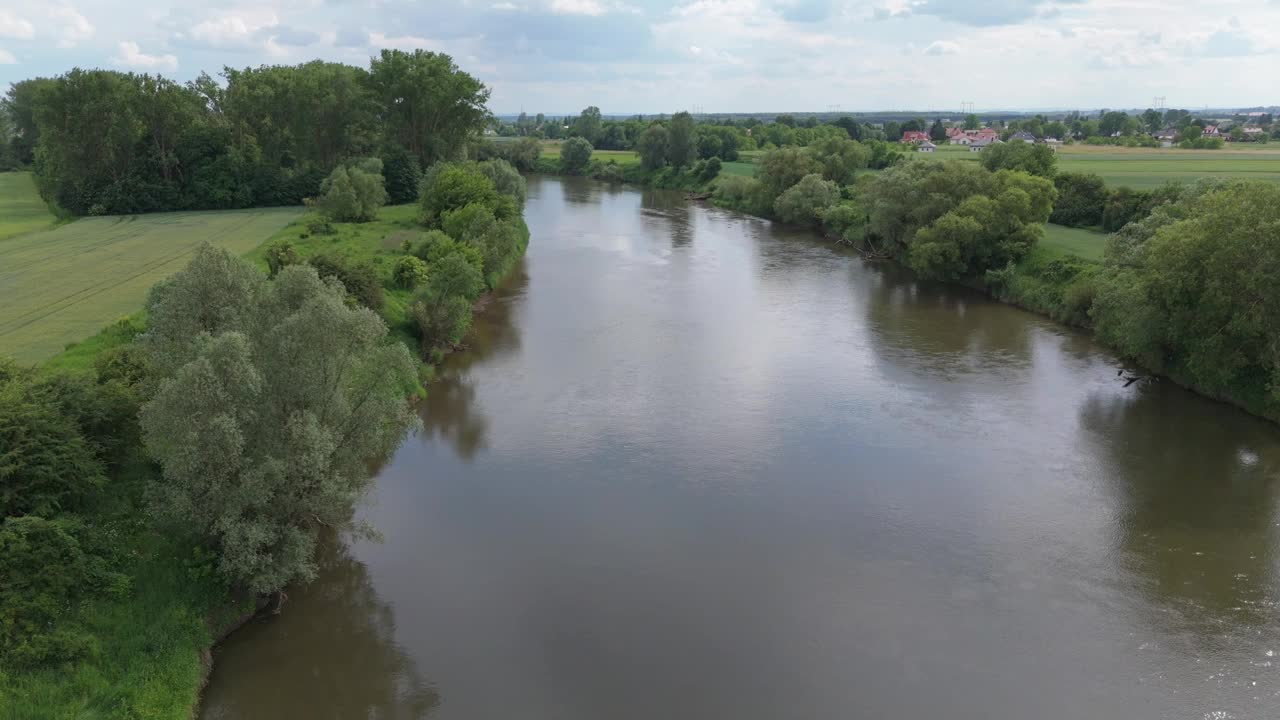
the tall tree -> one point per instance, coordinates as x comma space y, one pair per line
429, 105
589, 125
681, 144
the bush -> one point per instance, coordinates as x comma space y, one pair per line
443, 309
409, 272
360, 279
575, 153
320, 226
436, 246
610, 172
1018, 155
804, 202
352, 193
46, 465
46, 572
711, 170
524, 154
846, 221
506, 180
1082, 199
451, 186
280, 254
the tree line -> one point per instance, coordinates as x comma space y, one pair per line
262, 136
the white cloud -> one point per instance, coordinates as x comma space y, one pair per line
73, 28
577, 7
403, 42
12, 26
233, 29
7, 58
131, 56
942, 47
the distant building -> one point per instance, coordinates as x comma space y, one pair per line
1211, 131
1024, 136
980, 144
1053, 143
954, 132
926, 146
961, 139
915, 136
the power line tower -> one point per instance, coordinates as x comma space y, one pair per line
1158, 102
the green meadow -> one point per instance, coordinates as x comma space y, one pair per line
1060, 241
62, 285
21, 209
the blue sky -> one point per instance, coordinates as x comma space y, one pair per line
717, 55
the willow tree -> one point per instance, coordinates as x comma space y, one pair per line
268, 410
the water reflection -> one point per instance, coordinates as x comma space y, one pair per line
942, 330
449, 411
1196, 503
671, 212
332, 654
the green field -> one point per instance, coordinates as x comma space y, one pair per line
1145, 168
21, 209
1060, 241
62, 285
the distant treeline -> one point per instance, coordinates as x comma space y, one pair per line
106, 142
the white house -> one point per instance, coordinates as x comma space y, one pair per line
961, 140
926, 146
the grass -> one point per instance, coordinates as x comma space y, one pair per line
21, 209
376, 243
62, 285
1061, 241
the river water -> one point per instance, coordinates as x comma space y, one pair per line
698, 466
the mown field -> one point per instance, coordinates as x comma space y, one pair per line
62, 285
1060, 241
21, 209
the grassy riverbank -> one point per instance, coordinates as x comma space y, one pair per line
150, 642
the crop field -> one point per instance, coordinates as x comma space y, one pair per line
551, 149
21, 209
1145, 168
62, 285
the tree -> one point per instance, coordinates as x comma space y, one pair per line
588, 125
1018, 155
265, 430
892, 131
1082, 199
779, 169
681, 147
443, 309
1112, 122
280, 254
1194, 293
1152, 119
401, 175
937, 131
428, 104
575, 154
409, 272
652, 147
805, 202
971, 122
525, 153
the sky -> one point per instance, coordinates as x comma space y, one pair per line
651, 56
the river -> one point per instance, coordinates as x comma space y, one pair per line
699, 466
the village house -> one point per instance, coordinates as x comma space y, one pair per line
915, 136
926, 146
1053, 143
979, 144
961, 139
1024, 136
1211, 131
980, 133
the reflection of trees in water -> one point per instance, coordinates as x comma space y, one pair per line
330, 654
1196, 485
672, 210
929, 325
449, 410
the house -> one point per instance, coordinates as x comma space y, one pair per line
1024, 136
915, 136
986, 132
980, 143
926, 146
1053, 143
954, 132
961, 139
1211, 131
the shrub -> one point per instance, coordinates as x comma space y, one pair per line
320, 226
610, 171
1082, 199
353, 193
436, 245
409, 272
506, 180
804, 202
46, 572
280, 254
846, 221
360, 279
711, 170
451, 186
46, 464
575, 153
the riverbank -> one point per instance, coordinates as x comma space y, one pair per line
151, 648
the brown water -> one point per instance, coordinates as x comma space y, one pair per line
698, 466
